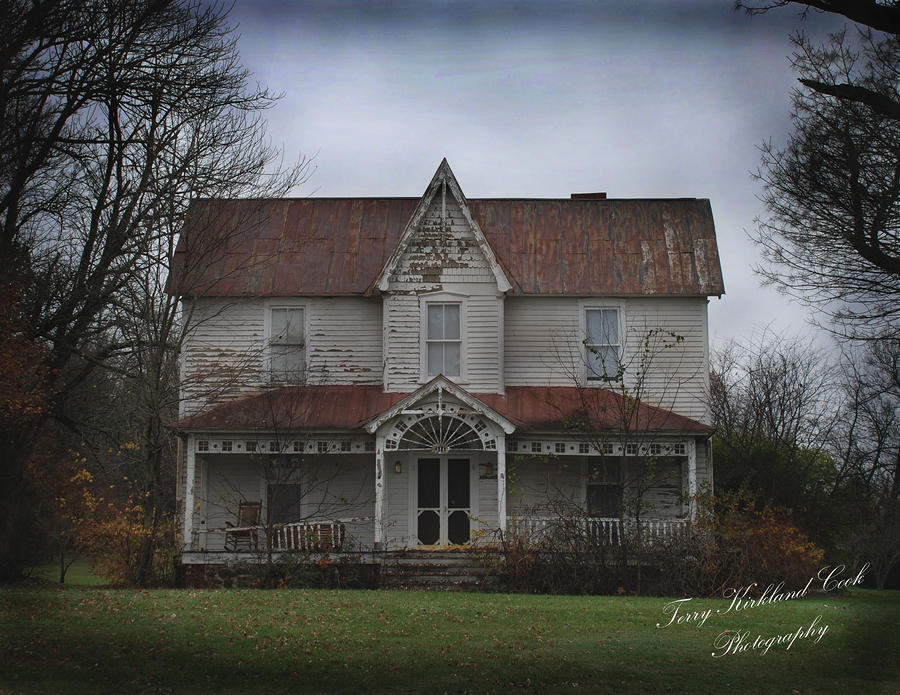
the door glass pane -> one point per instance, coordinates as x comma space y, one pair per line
458, 484
458, 527
429, 483
429, 531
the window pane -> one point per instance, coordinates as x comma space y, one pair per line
435, 358
435, 322
603, 500
609, 358
602, 326
287, 362
451, 322
593, 320
287, 326
451, 359
610, 328
279, 325
603, 470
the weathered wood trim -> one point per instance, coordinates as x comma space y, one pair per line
379, 491
189, 494
501, 482
442, 178
692, 476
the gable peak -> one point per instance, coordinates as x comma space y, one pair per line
442, 183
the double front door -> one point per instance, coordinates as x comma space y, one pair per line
443, 501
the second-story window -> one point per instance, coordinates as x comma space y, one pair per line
287, 358
443, 339
602, 343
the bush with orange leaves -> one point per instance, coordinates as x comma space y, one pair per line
734, 544
115, 525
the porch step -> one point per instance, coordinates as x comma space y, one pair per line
435, 570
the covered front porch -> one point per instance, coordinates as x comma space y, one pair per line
434, 469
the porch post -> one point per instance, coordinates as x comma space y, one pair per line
379, 491
692, 476
501, 481
190, 472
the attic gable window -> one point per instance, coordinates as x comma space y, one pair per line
287, 345
443, 339
602, 343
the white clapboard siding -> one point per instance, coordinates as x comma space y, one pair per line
542, 487
402, 336
486, 519
397, 502
344, 342
222, 357
543, 347
664, 489
483, 346
676, 375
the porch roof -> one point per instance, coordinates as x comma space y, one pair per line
529, 408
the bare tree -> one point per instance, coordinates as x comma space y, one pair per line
883, 16
774, 405
115, 115
867, 445
832, 195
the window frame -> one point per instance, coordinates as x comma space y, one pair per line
304, 345
432, 299
589, 377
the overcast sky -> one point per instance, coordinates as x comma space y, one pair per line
540, 99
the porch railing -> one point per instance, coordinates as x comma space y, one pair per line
310, 536
609, 531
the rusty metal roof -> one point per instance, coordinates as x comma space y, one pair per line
530, 408
338, 246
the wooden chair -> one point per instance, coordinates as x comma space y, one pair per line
247, 529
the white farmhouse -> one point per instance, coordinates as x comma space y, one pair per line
384, 373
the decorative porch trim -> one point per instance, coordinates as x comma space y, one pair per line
313, 443
439, 385
568, 446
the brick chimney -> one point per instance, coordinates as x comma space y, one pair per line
589, 196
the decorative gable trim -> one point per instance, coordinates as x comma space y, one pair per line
439, 385
442, 178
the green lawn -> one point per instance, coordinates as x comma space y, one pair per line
84, 640
80, 573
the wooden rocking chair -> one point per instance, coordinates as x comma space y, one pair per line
247, 529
